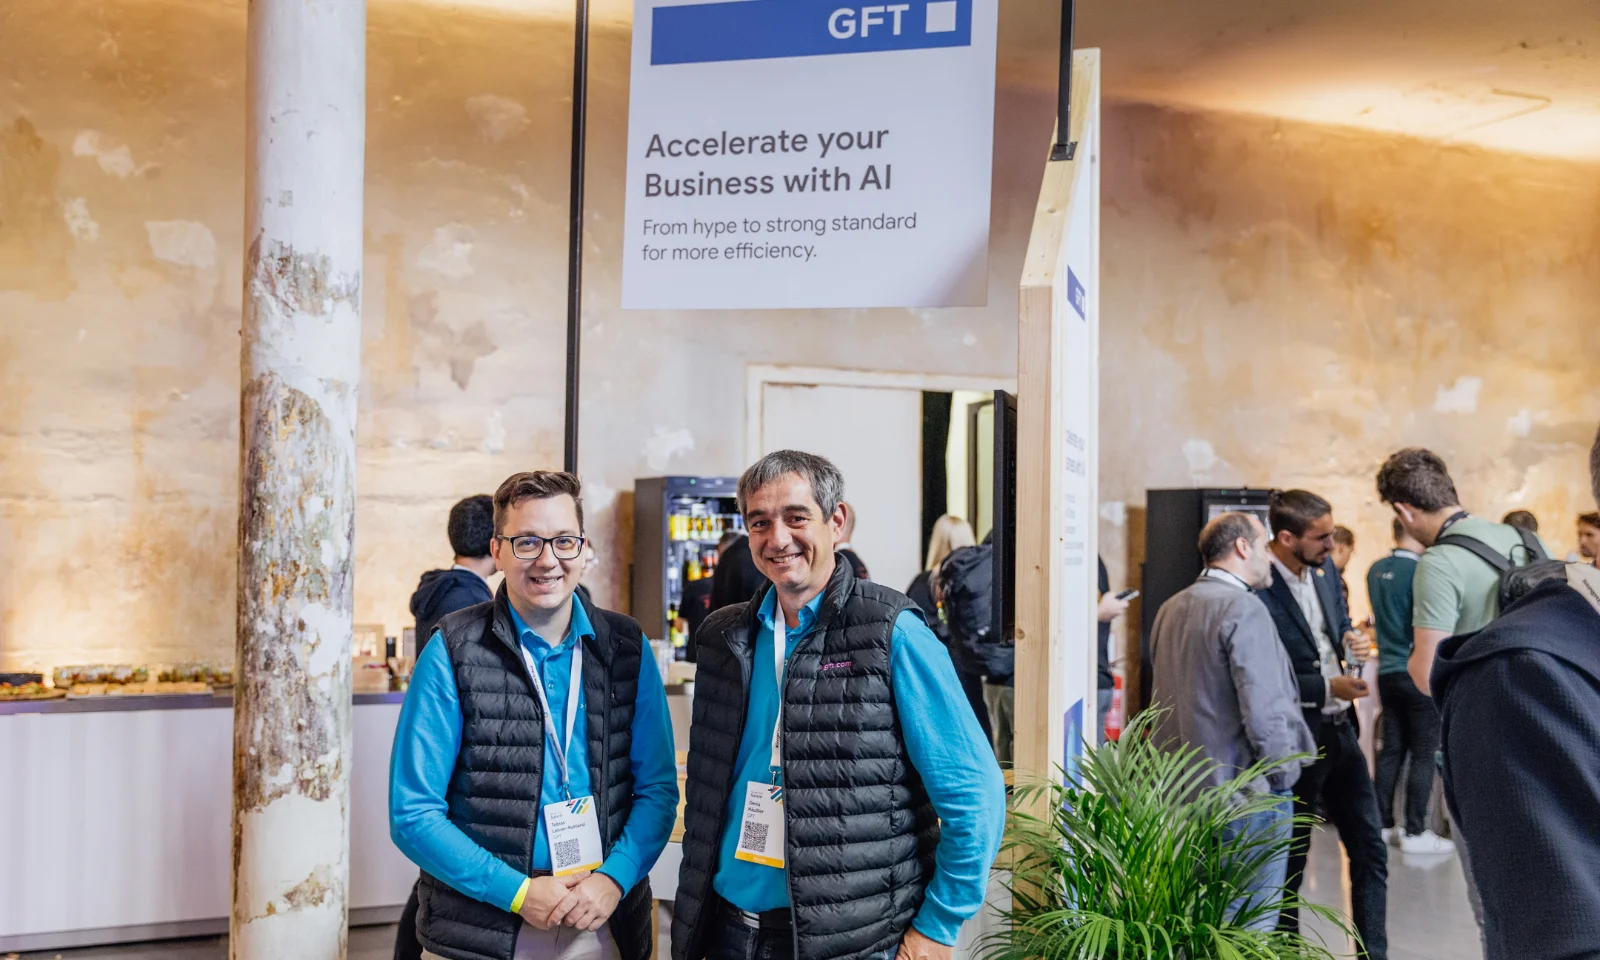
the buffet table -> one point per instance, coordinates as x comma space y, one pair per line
115, 818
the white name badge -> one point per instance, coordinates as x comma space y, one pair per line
761, 828
573, 831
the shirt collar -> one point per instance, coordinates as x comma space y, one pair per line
1288, 575
808, 613
1226, 576
1404, 553
580, 627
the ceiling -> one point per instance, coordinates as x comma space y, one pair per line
1514, 75
1521, 76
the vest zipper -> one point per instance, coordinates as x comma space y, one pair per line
697, 934
533, 835
783, 775
597, 784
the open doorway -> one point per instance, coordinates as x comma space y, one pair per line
903, 441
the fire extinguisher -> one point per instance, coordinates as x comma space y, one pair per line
1114, 715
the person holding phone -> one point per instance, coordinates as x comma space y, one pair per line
1111, 607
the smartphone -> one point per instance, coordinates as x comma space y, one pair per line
1128, 594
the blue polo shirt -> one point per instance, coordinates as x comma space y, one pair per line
428, 740
946, 745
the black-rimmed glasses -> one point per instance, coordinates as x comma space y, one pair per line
532, 548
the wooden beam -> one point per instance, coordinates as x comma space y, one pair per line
1055, 534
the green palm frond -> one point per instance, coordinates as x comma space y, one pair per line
1135, 860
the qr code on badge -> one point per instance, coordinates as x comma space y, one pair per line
566, 852
754, 836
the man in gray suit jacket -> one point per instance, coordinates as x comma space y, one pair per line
1226, 682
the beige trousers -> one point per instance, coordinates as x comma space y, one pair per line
562, 943
1001, 702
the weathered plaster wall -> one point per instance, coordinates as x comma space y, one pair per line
1282, 305
1286, 305
121, 186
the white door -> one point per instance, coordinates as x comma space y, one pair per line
874, 436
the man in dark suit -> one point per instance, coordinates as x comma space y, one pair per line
1313, 621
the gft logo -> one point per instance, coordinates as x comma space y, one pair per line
848, 22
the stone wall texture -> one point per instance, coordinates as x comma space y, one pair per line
1286, 305
1282, 305
121, 234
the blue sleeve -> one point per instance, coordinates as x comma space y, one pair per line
957, 767
655, 783
424, 756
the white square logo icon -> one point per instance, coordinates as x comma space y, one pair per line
941, 17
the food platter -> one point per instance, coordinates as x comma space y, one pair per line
150, 688
28, 692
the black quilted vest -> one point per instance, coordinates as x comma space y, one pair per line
860, 831
494, 792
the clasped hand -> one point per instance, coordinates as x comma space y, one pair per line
581, 900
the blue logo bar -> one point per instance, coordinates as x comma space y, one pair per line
1076, 295
767, 29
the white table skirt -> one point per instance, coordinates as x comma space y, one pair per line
116, 823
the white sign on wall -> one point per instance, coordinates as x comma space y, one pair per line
809, 153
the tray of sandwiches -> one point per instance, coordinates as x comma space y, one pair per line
15, 687
131, 680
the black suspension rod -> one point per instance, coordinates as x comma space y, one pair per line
580, 98
1063, 149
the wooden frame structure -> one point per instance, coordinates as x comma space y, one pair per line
1058, 410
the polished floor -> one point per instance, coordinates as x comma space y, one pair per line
1428, 915
1429, 918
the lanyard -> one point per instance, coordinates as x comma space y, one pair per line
1455, 518
780, 642
559, 741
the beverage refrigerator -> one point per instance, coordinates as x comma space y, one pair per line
677, 522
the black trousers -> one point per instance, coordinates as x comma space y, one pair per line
1339, 780
972, 686
1410, 733
406, 946
735, 935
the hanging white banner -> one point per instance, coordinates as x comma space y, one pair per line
804, 153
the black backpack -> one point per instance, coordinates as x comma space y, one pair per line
966, 580
1517, 580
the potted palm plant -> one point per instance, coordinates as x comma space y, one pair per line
1134, 856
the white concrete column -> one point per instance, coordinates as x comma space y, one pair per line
300, 367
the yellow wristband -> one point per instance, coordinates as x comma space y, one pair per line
522, 894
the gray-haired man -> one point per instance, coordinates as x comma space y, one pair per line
1226, 682
842, 799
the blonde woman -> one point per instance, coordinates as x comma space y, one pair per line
950, 533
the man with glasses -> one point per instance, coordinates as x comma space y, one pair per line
533, 775
1308, 607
